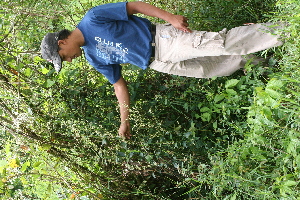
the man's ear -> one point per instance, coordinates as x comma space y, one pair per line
59, 42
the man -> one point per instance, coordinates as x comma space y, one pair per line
111, 35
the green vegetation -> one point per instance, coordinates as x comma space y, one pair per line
234, 137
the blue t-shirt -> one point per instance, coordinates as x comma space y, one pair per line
112, 38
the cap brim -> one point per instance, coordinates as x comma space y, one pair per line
49, 50
57, 62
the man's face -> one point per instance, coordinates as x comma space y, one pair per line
68, 50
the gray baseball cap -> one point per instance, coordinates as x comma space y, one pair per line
49, 49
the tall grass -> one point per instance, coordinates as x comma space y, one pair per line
233, 137
265, 163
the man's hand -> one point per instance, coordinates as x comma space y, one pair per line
122, 94
124, 130
180, 22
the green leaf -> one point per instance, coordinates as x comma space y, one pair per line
267, 112
149, 158
49, 83
3, 163
7, 149
45, 147
275, 84
215, 124
290, 183
45, 70
38, 59
6, 97
121, 154
19, 66
231, 91
24, 181
37, 164
187, 134
219, 97
186, 106
297, 159
274, 94
104, 142
205, 109
27, 72
24, 166
231, 83
206, 117
233, 197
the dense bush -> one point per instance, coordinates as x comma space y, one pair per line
233, 137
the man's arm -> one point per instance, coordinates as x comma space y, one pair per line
178, 21
121, 90
122, 94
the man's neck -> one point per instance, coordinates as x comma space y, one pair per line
77, 37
